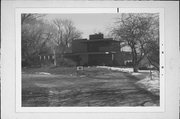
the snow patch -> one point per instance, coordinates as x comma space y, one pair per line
117, 69
152, 85
43, 73
136, 73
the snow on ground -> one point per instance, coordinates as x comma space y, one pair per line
150, 83
136, 73
117, 68
43, 73
128, 70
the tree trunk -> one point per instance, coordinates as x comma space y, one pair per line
134, 59
55, 61
155, 64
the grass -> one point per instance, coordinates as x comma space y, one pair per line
91, 87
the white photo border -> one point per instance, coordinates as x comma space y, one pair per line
18, 86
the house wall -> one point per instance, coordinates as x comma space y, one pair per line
97, 44
121, 57
83, 59
103, 46
100, 59
79, 46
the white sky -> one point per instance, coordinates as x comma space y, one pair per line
88, 23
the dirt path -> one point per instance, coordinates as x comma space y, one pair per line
108, 89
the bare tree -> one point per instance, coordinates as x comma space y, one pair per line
153, 55
137, 31
29, 18
64, 33
34, 37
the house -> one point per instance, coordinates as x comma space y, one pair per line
98, 50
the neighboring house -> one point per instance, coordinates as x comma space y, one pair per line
98, 51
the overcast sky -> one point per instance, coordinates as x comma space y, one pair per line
88, 23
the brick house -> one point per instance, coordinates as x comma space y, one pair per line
98, 50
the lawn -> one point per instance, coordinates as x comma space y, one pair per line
64, 86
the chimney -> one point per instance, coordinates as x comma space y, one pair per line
96, 36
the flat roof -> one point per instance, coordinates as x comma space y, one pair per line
98, 40
88, 53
